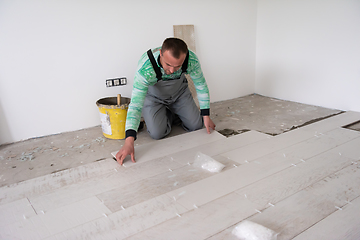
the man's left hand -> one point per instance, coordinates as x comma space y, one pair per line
209, 124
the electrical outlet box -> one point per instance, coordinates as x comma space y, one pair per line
116, 82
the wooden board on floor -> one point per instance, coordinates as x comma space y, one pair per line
116, 177
45, 224
126, 222
260, 194
202, 222
342, 224
141, 191
166, 146
270, 145
44, 184
302, 210
331, 123
309, 207
294, 183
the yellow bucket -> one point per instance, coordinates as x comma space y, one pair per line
113, 111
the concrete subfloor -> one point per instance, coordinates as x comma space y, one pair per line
40, 156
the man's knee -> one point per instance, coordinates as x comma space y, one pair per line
194, 126
158, 133
156, 136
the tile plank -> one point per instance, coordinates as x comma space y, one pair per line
306, 197
319, 144
116, 177
202, 222
302, 210
56, 221
267, 146
259, 194
221, 184
164, 147
343, 133
333, 122
350, 149
124, 223
339, 225
15, 211
283, 184
220, 146
51, 182
152, 187
113, 180
225, 234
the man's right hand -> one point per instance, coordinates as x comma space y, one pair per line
127, 149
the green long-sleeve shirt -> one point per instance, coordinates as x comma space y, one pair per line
145, 76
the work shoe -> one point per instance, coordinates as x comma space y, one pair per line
142, 124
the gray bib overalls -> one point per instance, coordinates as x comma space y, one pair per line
167, 98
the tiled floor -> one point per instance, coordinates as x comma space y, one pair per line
303, 184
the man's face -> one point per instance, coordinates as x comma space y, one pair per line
169, 63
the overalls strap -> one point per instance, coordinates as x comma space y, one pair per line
185, 64
155, 66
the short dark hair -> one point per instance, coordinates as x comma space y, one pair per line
176, 47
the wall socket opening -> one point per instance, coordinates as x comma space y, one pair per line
116, 82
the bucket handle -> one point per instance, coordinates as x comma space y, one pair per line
119, 99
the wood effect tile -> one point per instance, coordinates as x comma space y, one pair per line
127, 222
267, 146
332, 122
281, 185
318, 144
15, 211
224, 234
302, 210
116, 177
342, 224
51, 182
272, 167
171, 145
343, 134
349, 149
223, 183
22, 230
202, 222
55, 221
220, 146
152, 187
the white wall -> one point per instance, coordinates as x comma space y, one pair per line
308, 51
56, 55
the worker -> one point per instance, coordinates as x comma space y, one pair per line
161, 94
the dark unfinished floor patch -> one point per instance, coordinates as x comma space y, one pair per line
353, 126
230, 132
266, 115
